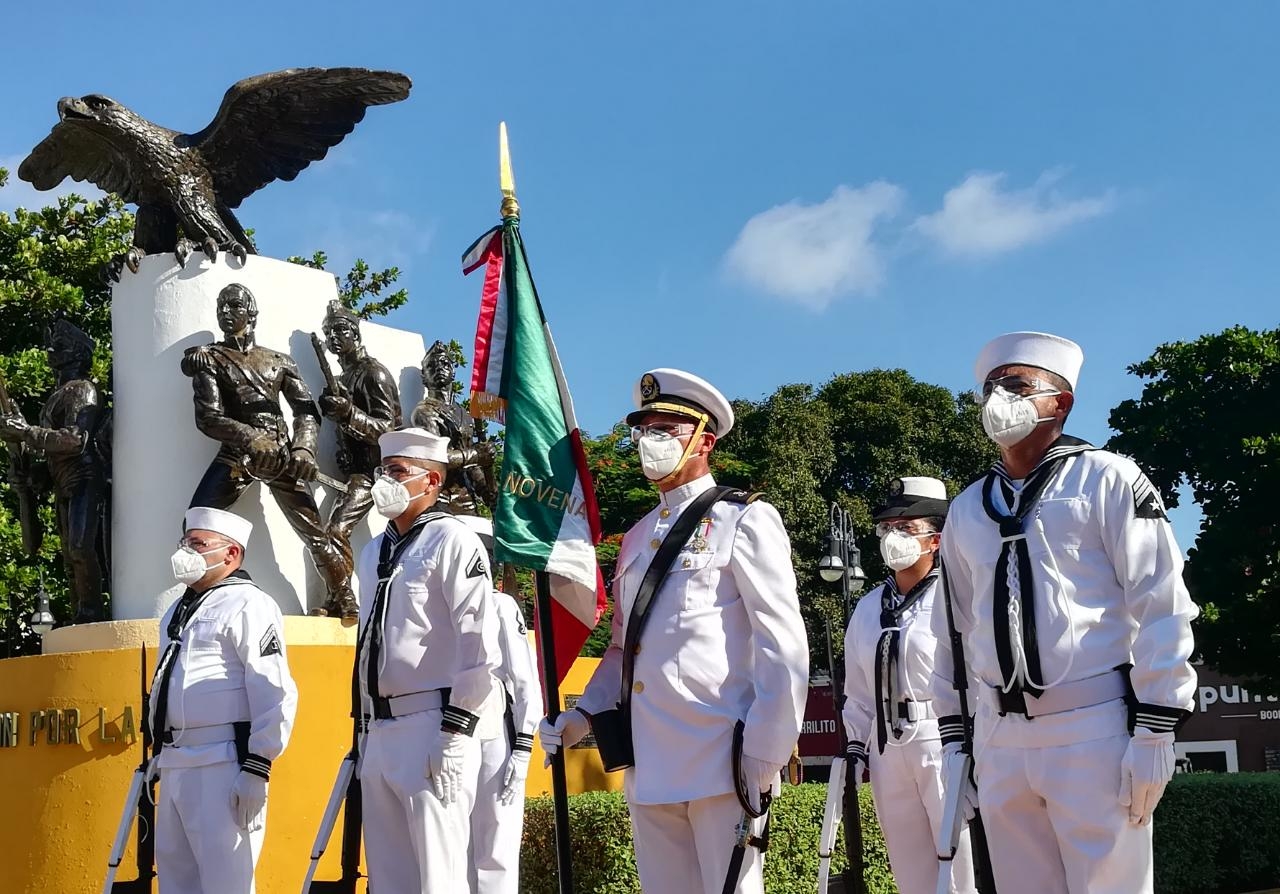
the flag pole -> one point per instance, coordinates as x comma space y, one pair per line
542, 597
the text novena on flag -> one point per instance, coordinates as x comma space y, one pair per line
546, 517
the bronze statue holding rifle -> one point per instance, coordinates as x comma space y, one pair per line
69, 438
237, 389
364, 403
470, 479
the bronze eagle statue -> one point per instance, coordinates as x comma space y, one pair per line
185, 185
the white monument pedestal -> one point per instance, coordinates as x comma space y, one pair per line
159, 455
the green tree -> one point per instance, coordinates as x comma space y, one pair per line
1207, 419
51, 260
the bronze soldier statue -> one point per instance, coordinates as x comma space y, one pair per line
364, 402
238, 386
68, 436
470, 478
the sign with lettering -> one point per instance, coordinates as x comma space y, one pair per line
63, 726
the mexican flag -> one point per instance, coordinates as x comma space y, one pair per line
546, 518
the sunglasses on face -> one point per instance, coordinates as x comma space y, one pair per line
398, 472
1023, 386
883, 529
661, 431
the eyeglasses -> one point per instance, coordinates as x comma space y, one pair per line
1023, 386
199, 545
661, 431
398, 472
908, 528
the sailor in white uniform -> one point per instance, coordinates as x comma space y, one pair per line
425, 658
723, 643
222, 707
1067, 590
497, 820
888, 709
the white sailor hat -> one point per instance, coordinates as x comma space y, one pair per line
684, 394
483, 527
414, 443
228, 524
1039, 349
915, 497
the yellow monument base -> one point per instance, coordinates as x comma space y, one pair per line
70, 739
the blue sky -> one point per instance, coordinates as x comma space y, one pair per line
761, 193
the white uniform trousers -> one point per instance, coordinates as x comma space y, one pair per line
200, 847
414, 843
496, 829
907, 782
685, 847
1050, 804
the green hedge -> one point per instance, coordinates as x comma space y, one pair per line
1215, 834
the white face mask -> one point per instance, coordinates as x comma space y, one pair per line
901, 550
390, 497
659, 457
189, 566
1008, 418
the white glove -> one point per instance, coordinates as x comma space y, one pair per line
760, 776
1145, 770
444, 765
568, 729
513, 777
249, 801
951, 757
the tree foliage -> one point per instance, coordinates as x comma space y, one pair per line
1209, 418
51, 261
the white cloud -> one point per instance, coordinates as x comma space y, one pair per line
809, 254
384, 238
20, 194
981, 218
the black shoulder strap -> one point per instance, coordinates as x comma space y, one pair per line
653, 578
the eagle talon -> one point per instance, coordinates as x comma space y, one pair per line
182, 251
210, 249
133, 257
240, 252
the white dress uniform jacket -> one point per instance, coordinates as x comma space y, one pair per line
907, 776
724, 642
496, 828
439, 632
231, 668
1106, 591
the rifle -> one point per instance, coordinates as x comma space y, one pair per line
20, 480
331, 384
140, 802
952, 814
347, 786
842, 786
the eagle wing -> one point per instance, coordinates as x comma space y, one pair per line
272, 126
72, 150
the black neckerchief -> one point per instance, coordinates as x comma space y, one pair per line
182, 616
888, 653
389, 551
1013, 549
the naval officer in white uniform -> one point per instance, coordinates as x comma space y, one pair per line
497, 820
425, 658
1067, 590
222, 707
724, 642
888, 709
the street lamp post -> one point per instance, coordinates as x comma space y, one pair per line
841, 564
41, 620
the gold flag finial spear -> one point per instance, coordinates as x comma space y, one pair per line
506, 179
